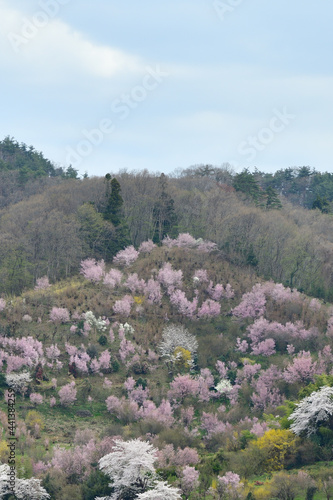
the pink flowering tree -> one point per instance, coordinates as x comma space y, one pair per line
184, 306
252, 305
146, 246
123, 306
189, 480
170, 278
181, 387
113, 278
42, 283
126, 257
59, 315
92, 270
67, 394
302, 369
153, 292
36, 398
209, 309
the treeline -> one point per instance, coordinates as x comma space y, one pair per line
54, 220
25, 171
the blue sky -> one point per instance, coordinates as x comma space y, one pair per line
109, 85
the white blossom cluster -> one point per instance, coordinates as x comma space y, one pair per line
18, 381
92, 321
128, 329
130, 466
25, 489
312, 411
177, 336
224, 386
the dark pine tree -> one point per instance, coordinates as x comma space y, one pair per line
272, 202
247, 184
164, 215
114, 213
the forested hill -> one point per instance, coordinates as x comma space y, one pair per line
50, 219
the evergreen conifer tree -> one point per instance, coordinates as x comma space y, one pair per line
164, 215
113, 213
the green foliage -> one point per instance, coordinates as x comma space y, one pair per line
114, 213
103, 340
164, 215
29, 163
320, 381
246, 183
97, 484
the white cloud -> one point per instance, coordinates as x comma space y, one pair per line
50, 49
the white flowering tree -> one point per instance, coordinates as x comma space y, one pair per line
161, 491
18, 381
25, 489
312, 411
130, 466
175, 337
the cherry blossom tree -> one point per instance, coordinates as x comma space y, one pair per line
146, 246
170, 278
25, 489
42, 283
184, 306
67, 394
126, 257
153, 292
189, 480
130, 466
161, 491
113, 278
59, 315
36, 398
93, 270
18, 381
209, 309
252, 305
177, 336
123, 306
312, 411
302, 369
181, 387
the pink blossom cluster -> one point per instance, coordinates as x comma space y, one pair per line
302, 369
92, 270
25, 351
184, 306
185, 240
67, 394
168, 456
209, 309
59, 315
266, 394
146, 246
42, 283
181, 387
252, 305
126, 257
123, 306
113, 278
169, 278
36, 398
